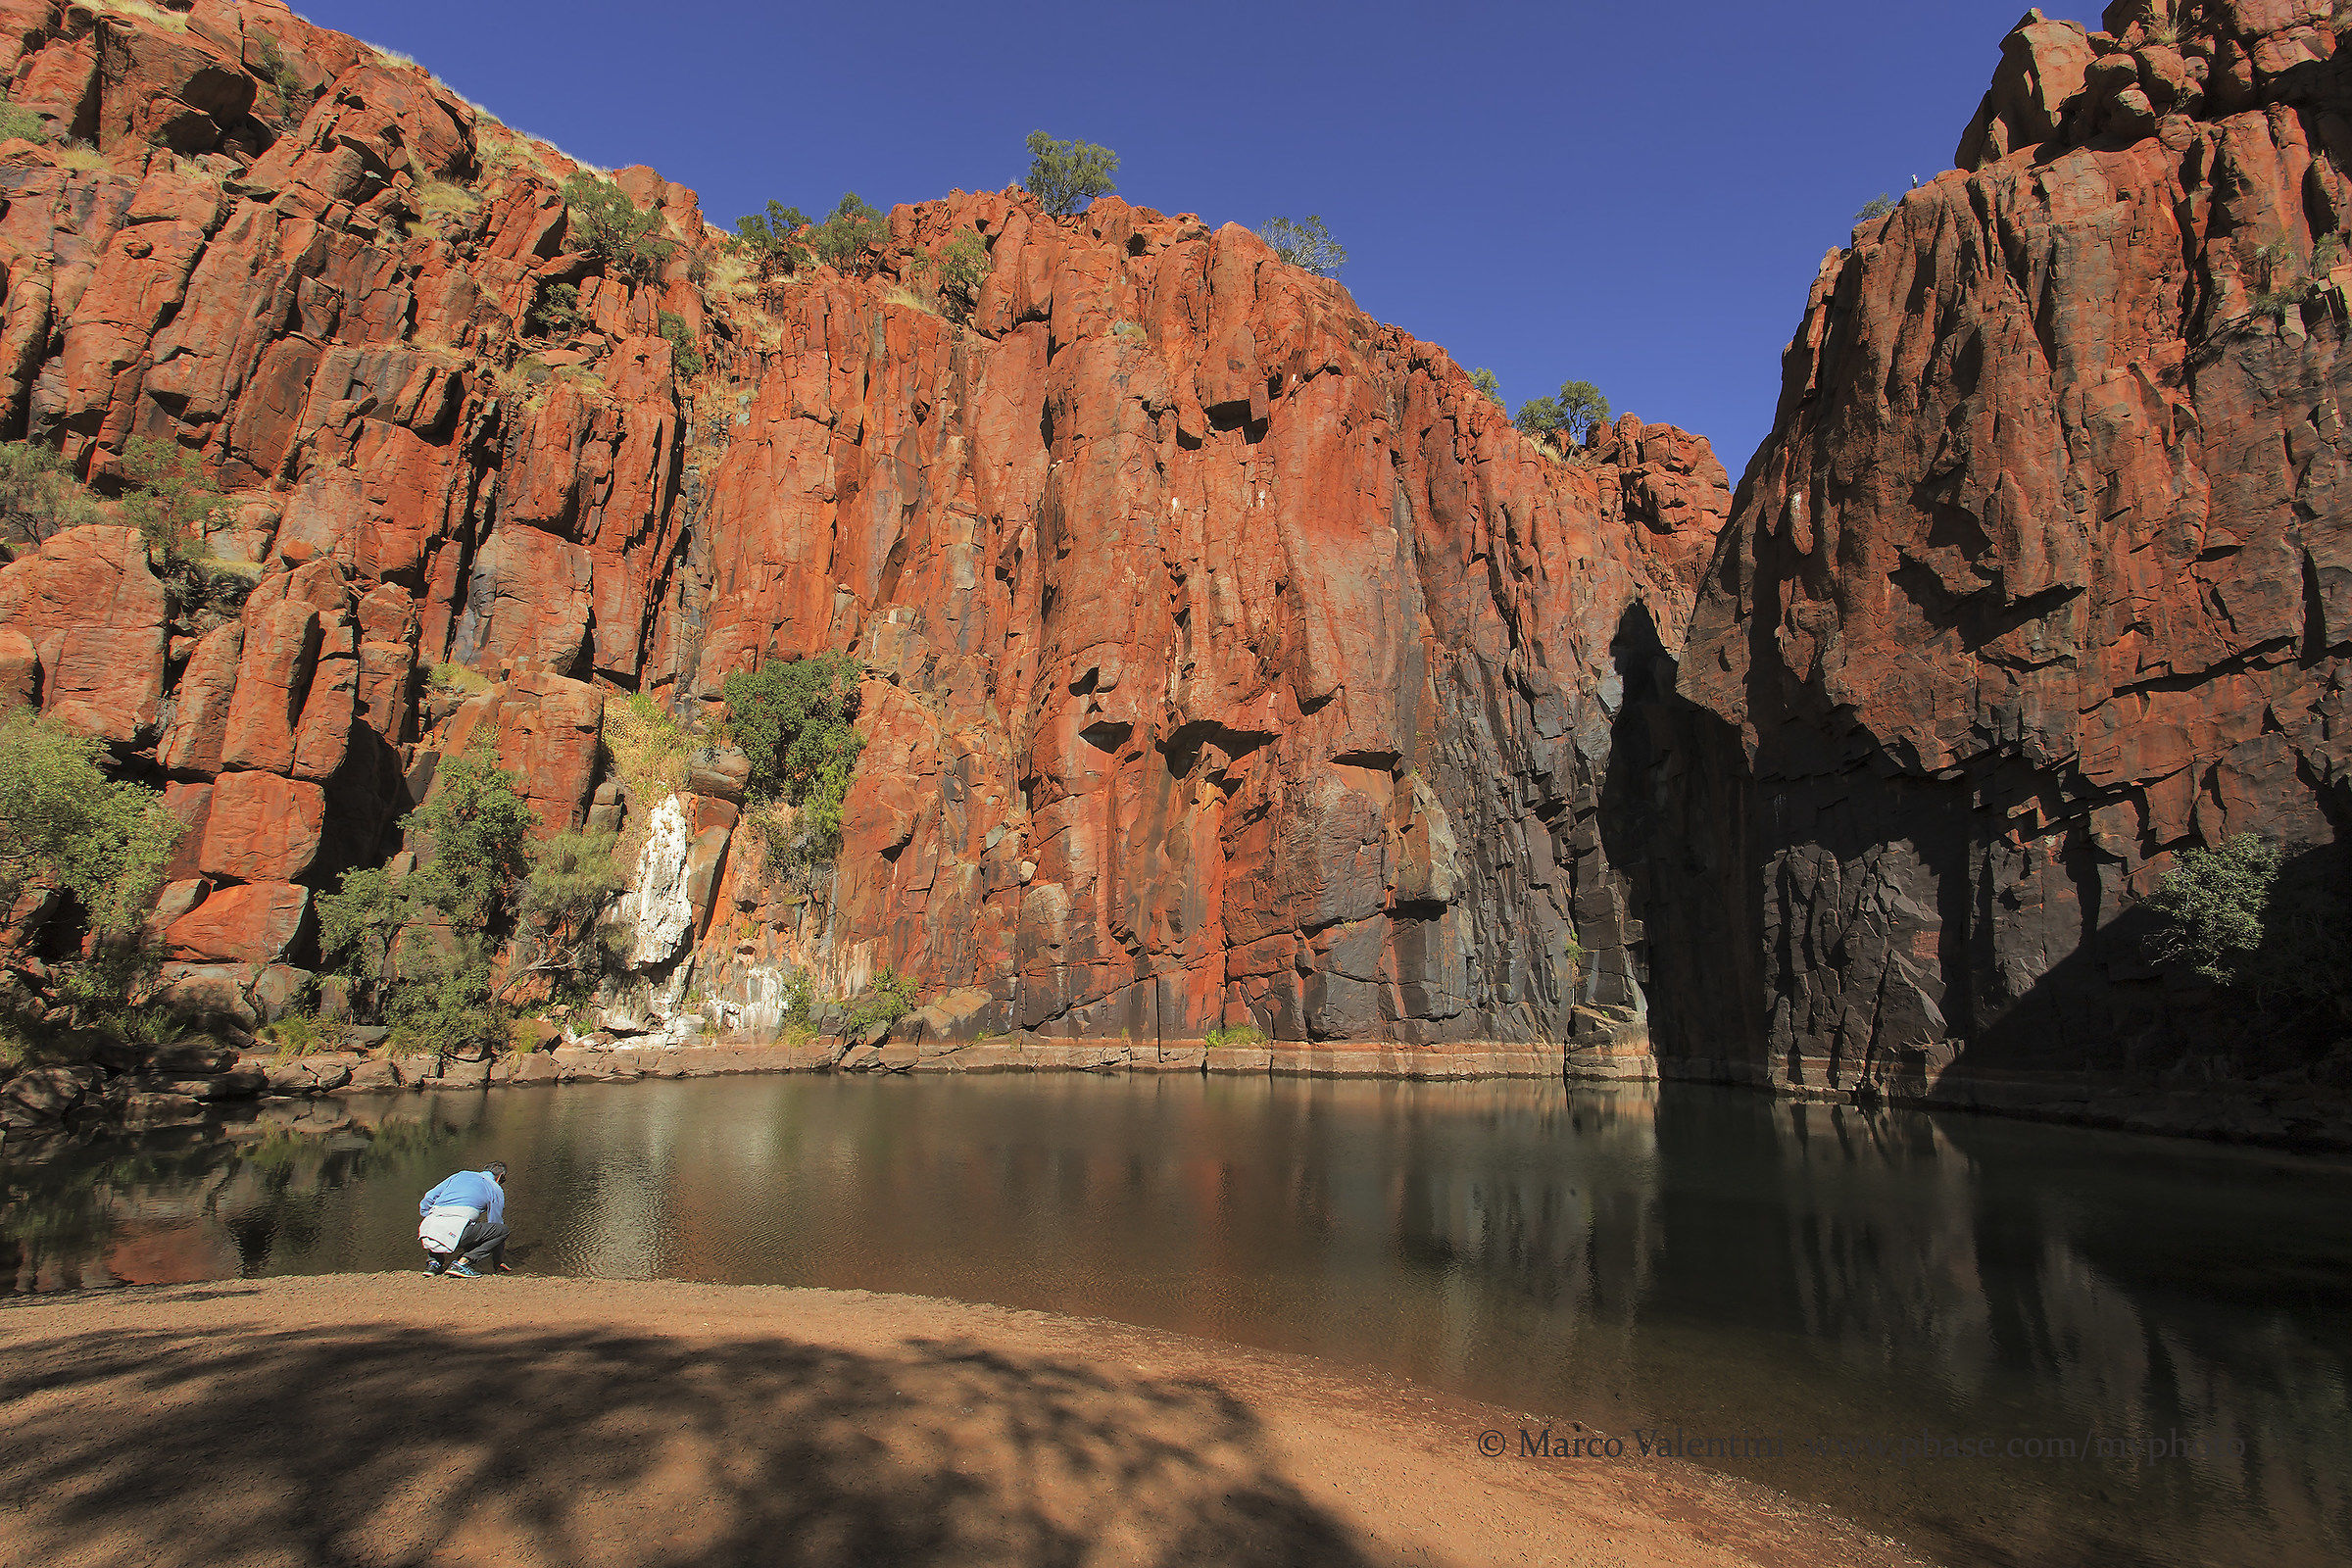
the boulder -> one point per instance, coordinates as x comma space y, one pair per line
260, 922
261, 828
42, 1095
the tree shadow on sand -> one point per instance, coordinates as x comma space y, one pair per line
392, 1447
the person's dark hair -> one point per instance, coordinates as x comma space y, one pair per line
497, 1171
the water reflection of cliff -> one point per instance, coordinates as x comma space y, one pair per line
1706, 1258
197, 1204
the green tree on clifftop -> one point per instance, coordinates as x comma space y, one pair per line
847, 232
1573, 416
1065, 173
772, 235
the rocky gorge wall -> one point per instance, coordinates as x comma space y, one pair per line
1229, 659
2044, 575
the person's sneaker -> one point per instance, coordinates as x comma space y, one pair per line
462, 1270
432, 1269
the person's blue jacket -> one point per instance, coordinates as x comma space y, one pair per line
474, 1189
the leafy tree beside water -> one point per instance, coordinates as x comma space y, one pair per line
2226, 918
63, 824
419, 950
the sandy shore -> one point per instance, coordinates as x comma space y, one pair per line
366, 1419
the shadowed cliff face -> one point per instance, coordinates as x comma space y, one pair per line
2045, 573
1230, 659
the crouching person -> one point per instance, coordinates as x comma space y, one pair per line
462, 1224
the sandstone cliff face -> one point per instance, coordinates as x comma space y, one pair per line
2044, 574
1230, 659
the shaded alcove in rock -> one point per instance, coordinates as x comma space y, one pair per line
1672, 824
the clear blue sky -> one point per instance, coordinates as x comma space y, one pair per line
1636, 194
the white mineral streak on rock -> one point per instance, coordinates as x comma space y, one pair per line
761, 1010
658, 912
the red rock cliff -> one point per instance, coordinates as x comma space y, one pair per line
2044, 575
1230, 659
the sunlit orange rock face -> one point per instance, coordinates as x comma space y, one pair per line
2044, 576
1230, 659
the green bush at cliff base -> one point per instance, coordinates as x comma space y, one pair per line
2224, 916
564, 940
65, 824
887, 999
102, 843
473, 826
1065, 173
1237, 1035
302, 1034
444, 1004
417, 949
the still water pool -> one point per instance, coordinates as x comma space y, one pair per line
2001, 1342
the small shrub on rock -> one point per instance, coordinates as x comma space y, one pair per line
1487, 386
39, 497
797, 722
19, 123
1308, 244
887, 999
605, 223
682, 353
